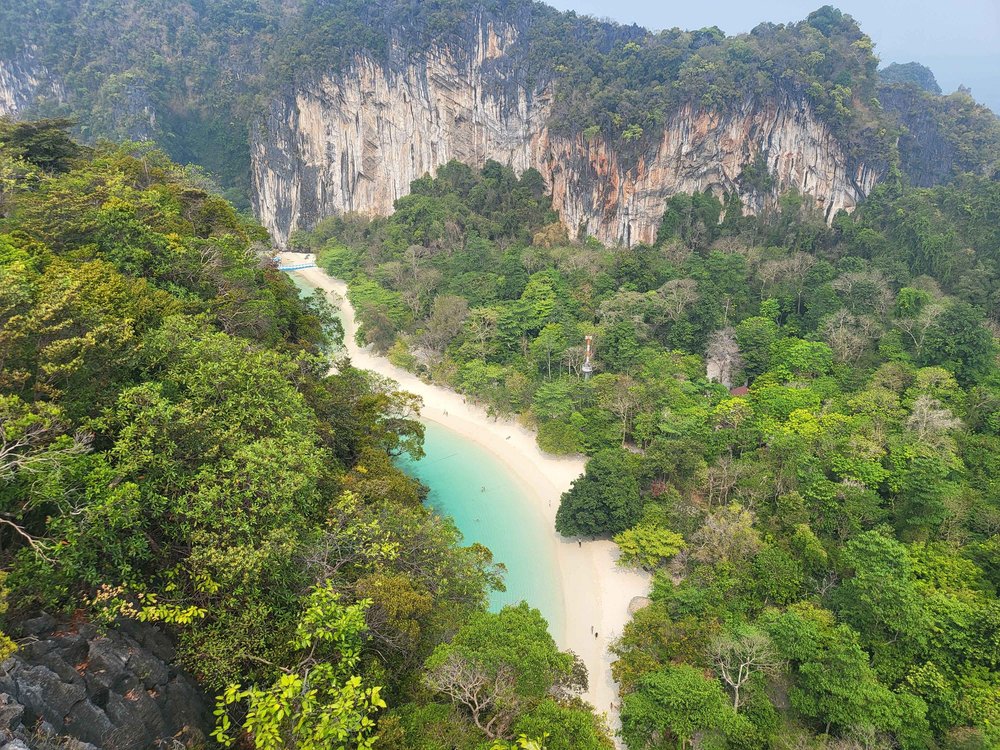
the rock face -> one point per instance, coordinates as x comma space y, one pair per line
28, 89
926, 155
115, 691
20, 84
354, 142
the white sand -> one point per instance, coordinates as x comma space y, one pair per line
597, 592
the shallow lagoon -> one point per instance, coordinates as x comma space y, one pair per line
491, 507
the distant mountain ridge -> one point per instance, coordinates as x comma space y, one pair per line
309, 109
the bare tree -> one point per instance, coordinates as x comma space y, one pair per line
865, 291
677, 296
769, 272
849, 335
797, 269
916, 327
727, 534
930, 419
30, 443
489, 696
676, 252
739, 657
722, 357
447, 318
573, 358
722, 479
623, 401
791, 270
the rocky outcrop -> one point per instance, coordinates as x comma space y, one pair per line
595, 189
124, 107
114, 691
925, 153
355, 141
20, 81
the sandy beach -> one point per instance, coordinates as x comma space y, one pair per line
597, 592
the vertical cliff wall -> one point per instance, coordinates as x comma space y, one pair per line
595, 189
21, 82
354, 142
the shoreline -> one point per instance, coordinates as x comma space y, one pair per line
596, 592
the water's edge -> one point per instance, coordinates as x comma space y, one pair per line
490, 506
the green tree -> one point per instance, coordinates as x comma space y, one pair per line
321, 702
958, 341
499, 664
565, 727
880, 599
834, 684
605, 500
648, 545
755, 337
680, 702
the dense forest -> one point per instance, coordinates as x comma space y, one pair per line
794, 425
197, 77
824, 535
174, 451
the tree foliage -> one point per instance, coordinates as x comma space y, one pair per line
174, 448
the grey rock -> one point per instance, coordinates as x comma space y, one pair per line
44, 695
10, 713
56, 661
154, 640
15, 745
41, 625
88, 723
637, 603
91, 690
106, 663
148, 668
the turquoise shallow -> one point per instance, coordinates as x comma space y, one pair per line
491, 507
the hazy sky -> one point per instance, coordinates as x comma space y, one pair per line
958, 39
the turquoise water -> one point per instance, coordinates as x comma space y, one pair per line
305, 288
491, 507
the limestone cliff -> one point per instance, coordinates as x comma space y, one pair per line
123, 110
22, 83
355, 141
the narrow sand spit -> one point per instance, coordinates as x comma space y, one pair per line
596, 591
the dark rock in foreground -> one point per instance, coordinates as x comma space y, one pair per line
85, 689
